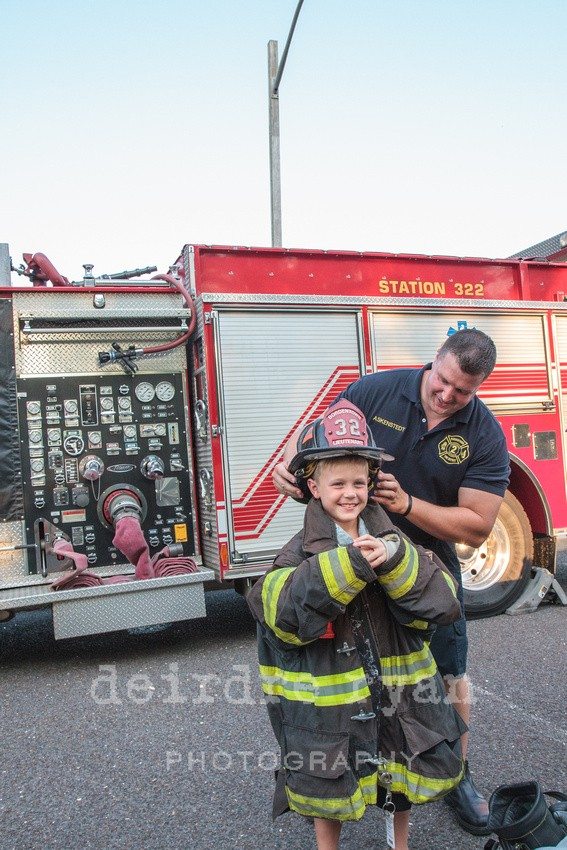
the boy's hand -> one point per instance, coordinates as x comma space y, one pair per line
371, 548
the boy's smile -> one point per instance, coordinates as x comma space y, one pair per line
342, 487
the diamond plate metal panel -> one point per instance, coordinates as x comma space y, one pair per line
377, 301
45, 354
135, 606
61, 359
13, 563
60, 305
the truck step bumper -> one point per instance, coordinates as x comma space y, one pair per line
95, 610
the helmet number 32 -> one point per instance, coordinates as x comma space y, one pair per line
350, 427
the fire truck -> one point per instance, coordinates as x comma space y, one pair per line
165, 401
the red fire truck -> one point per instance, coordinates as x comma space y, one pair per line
172, 398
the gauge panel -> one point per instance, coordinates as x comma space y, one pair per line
83, 434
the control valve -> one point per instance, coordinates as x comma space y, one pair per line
152, 467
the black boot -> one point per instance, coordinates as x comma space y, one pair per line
520, 816
469, 806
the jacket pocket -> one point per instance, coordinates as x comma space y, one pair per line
431, 760
320, 754
319, 779
418, 737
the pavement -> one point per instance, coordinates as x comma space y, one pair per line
158, 738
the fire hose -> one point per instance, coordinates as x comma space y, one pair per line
41, 269
126, 357
129, 539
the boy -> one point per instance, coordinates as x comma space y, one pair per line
355, 699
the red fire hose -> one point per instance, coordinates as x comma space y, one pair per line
129, 539
39, 268
166, 346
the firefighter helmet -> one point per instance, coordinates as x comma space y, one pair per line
340, 432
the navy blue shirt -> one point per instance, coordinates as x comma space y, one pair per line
465, 450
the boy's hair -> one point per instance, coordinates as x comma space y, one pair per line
474, 350
314, 467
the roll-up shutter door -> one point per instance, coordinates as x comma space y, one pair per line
277, 370
521, 377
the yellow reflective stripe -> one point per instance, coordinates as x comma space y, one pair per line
451, 582
271, 589
339, 577
402, 578
334, 808
408, 669
369, 787
418, 788
338, 689
417, 624
333, 679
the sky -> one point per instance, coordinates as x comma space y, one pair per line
132, 127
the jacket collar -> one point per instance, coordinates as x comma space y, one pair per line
319, 534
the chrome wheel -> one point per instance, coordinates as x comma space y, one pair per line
483, 567
495, 573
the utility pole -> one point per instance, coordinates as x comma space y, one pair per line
274, 79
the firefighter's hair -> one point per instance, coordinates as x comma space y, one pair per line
474, 350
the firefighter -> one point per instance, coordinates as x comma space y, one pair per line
353, 693
445, 486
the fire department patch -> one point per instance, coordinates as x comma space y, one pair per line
453, 449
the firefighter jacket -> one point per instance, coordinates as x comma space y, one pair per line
353, 715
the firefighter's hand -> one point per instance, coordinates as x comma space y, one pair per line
371, 548
389, 494
284, 481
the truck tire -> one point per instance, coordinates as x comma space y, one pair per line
495, 574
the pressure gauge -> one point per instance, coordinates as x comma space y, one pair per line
54, 436
35, 436
124, 404
33, 407
106, 403
70, 406
165, 391
95, 438
37, 465
144, 392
